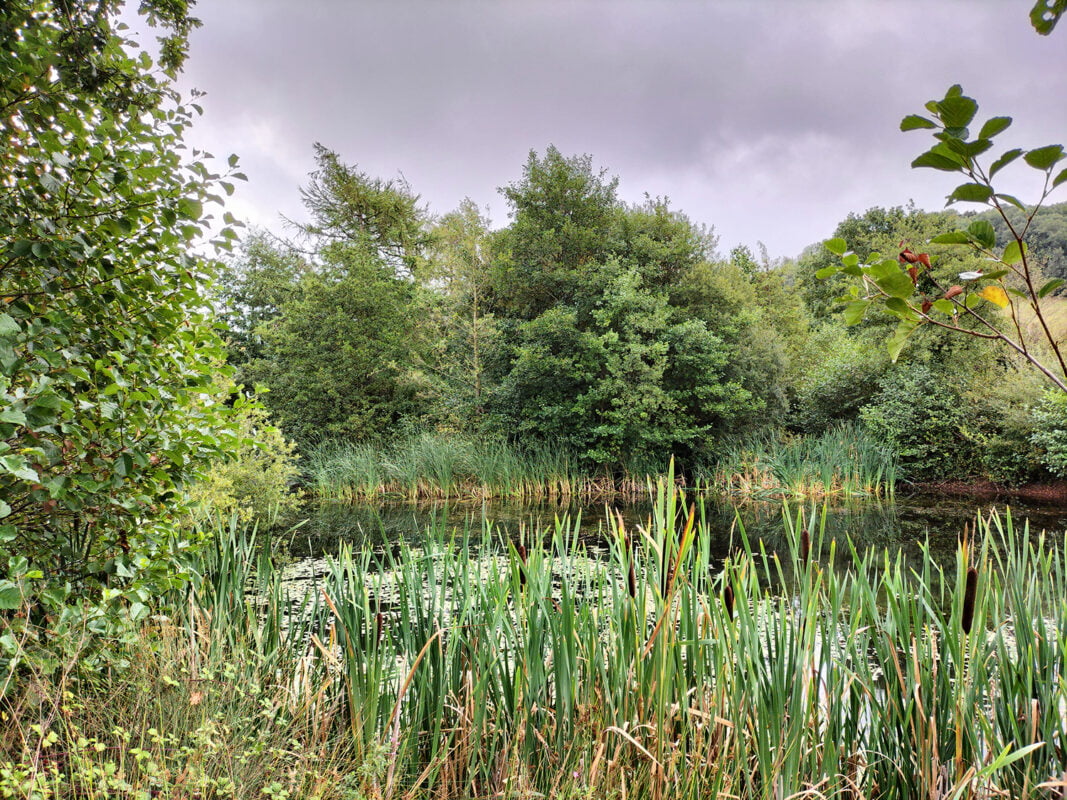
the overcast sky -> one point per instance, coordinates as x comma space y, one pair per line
769, 120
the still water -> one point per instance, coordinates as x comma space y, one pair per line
906, 523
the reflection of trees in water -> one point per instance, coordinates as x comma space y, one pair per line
907, 523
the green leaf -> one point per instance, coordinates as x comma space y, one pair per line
938, 160
957, 110
994, 126
5, 510
190, 209
826, 272
897, 284
1004, 160
995, 275
1045, 14
14, 416
982, 232
1050, 286
900, 308
836, 246
914, 122
10, 596
8, 327
899, 338
123, 465
1013, 253
855, 310
1044, 158
17, 466
1059, 178
944, 306
970, 193
952, 237
1012, 200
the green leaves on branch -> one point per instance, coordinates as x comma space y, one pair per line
955, 152
910, 289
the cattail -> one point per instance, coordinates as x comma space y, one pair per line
631, 575
380, 622
728, 600
805, 548
521, 550
967, 618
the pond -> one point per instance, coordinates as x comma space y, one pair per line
905, 523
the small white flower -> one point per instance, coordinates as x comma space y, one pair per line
970, 276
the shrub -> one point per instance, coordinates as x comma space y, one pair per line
1050, 432
253, 482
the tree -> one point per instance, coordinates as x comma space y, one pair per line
327, 324
456, 305
593, 352
107, 351
908, 285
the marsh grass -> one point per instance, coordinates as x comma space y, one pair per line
433, 466
844, 461
527, 670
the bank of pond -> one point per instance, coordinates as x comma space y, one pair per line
844, 461
654, 655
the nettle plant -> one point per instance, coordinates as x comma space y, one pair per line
993, 300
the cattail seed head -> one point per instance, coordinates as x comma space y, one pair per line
805, 548
969, 592
728, 600
521, 550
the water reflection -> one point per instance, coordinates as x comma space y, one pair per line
906, 523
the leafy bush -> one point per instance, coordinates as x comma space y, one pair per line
923, 417
108, 352
253, 481
1050, 432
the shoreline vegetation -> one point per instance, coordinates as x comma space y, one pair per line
523, 670
843, 462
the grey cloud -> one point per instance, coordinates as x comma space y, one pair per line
769, 120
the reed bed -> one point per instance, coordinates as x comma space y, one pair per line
844, 461
531, 670
433, 466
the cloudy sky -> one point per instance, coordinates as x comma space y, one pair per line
769, 119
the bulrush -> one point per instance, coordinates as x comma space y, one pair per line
805, 548
728, 600
631, 573
969, 592
521, 550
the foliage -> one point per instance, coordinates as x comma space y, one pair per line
908, 286
253, 482
336, 358
592, 352
843, 369
1046, 236
923, 418
1050, 433
463, 330
458, 670
107, 352
330, 329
